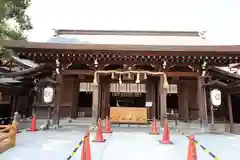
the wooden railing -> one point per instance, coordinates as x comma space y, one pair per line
7, 137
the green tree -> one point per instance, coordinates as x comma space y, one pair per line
13, 21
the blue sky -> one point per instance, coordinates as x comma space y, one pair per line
217, 17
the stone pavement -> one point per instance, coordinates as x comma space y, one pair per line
126, 143
225, 146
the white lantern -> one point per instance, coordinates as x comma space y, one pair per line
216, 97
48, 94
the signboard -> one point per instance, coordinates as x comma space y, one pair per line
216, 97
148, 104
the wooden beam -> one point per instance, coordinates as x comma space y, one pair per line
182, 74
78, 72
169, 74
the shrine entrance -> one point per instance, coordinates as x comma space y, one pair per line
129, 96
127, 102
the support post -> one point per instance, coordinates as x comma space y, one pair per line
230, 112
150, 97
163, 99
56, 118
158, 108
105, 97
202, 104
75, 93
185, 103
13, 103
95, 104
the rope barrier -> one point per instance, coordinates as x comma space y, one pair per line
198, 143
75, 149
79, 144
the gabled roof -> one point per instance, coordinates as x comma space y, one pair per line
127, 32
24, 63
226, 74
131, 37
24, 45
44, 68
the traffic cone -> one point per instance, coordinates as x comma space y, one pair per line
154, 127
34, 125
86, 150
99, 134
192, 153
107, 126
166, 134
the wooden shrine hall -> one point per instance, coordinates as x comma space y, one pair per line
131, 83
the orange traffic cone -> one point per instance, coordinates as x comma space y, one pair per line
107, 126
86, 150
154, 127
99, 134
166, 134
34, 125
192, 153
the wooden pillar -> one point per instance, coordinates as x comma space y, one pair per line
13, 103
100, 97
157, 93
185, 103
102, 100
75, 95
202, 103
95, 103
150, 97
56, 118
163, 99
192, 99
153, 88
183, 100
103, 91
230, 112
180, 100
107, 97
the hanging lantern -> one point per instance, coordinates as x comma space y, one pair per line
216, 97
48, 94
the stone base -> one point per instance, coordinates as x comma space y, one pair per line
153, 133
102, 141
31, 130
108, 132
163, 142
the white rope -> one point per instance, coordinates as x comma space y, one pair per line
165, 84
